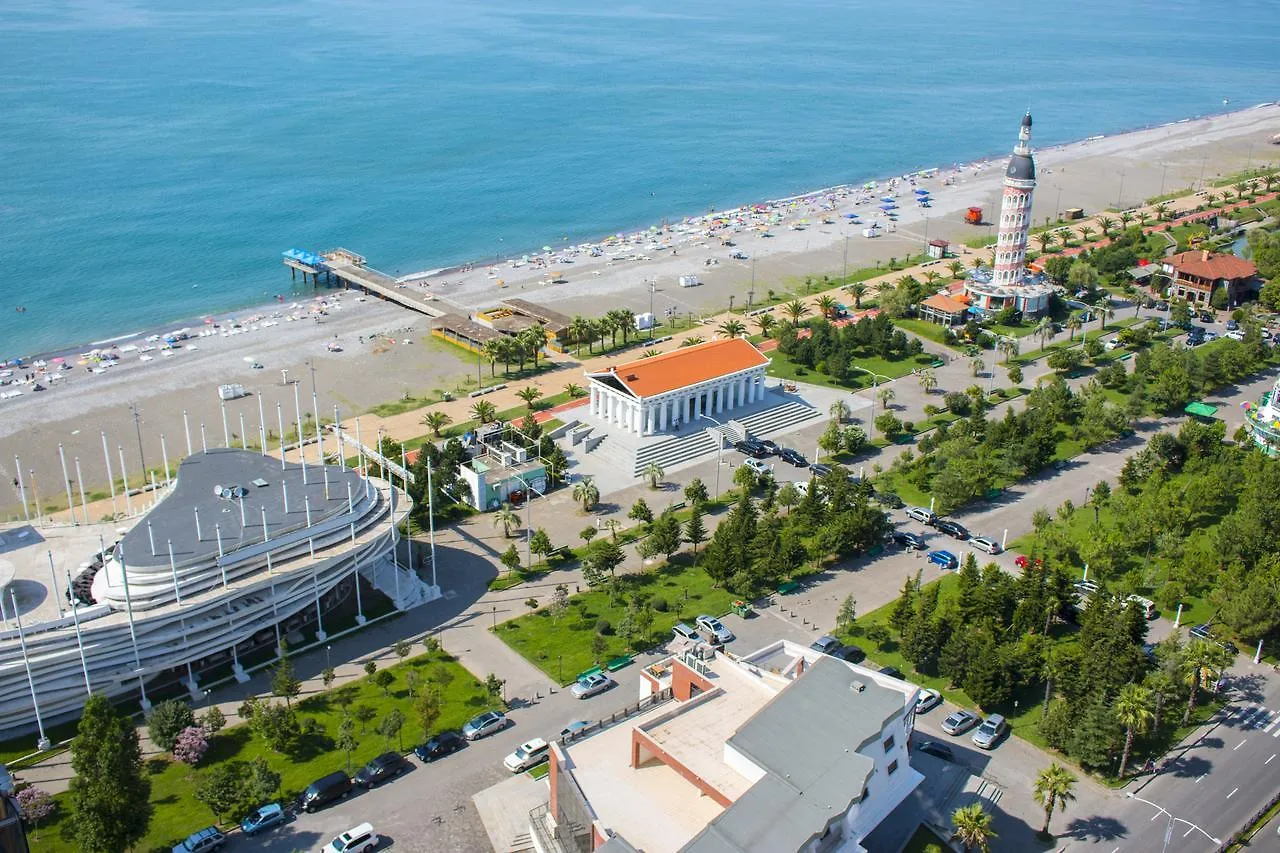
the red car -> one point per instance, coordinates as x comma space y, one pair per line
1022, 560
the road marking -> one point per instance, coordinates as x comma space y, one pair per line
1156, 815
1117, 850
1275, 718
1272, 758
1199, 779
1233, 790
1240, 744
1188, 832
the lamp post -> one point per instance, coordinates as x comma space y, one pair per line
528, 520
845, 275
719, 449
1170, 821
653, 286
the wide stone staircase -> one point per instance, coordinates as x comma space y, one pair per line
405, 589
684, 448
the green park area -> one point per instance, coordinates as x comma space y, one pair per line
383, 710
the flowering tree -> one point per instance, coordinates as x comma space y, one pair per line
36, 805
191, 744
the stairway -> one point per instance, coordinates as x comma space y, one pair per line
405, 589
778, 418
685, 448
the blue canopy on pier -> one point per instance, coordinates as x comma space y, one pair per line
302, 256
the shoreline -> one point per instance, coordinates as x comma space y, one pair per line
241, 310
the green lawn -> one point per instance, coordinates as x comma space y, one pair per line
178, 813
784, 368
928, 331
561, 647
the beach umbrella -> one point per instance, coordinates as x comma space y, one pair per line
886, 198
922, 192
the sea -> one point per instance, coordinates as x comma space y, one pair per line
157, 156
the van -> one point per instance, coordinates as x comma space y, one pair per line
684, 632
1146, 605
324, 791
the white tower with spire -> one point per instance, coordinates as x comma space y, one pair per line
1010, 259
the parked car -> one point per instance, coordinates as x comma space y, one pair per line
574, 727
1236, 335
357, 839
384, 768
591, 685
445, 743
928, 700
684, 632
959, 722
1203, 632
922, 515
756, 465
1232, 325
205, 840
715, 628
1146, 605
985, 543
1112, 344
953, 529
325, 790
483, 725
826, 644
888, 499
1204, 317
937, 750
528, 754
770, 445
850, 653
909, 540
795, 457
945, 559
263, 818
1162, 305
989, 733
818, 469
892, 672
752, 448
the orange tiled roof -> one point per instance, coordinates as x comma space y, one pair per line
945, 304
680, 368
1210, 265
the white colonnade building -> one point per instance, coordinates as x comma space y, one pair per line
656, 395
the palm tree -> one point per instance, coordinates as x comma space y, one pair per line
1053, 788
1241, 188
1073, 323
839, 411
1045, 239
573, 390
507, 517
1125, 218
650, 353
626, 322
1133, 710
957, 269
1009, 346
484, 411
528, 395
857, 290
764, 323
928, 380
653, 473
586, 492
977, 263
932, 278
692, 340
582, 331
1103, 308
732, 328
1106, 223
885, 395
1162, 210
1199, 660
436, 421
615, 319
1043, 328
826, 304
1269, 181
533, 339
973, 828
604, 326
495, 350
795, 309
1086, 234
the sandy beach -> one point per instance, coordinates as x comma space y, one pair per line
380, 352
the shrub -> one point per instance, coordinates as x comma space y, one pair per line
659, 604
167, 720
603, 626
191, 745
957, 403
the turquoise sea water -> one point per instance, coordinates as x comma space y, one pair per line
149, 146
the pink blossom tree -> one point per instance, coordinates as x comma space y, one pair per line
190, 745
36, 805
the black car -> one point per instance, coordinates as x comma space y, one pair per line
889, 499
850, 653
769, 445
819, 469
1162, 305
385, 767
1205, 317
909, 540
952, 528
892, 672
754, 449
937, 750
795, 457
324, 791
445, 743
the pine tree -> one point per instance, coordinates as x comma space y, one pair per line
284, 683
695, 532
109, 796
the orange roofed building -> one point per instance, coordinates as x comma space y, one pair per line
1195, 274
659, 394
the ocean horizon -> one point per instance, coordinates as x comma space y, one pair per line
158, 157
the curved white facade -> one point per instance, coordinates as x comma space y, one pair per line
225, 583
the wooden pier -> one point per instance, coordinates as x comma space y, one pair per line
353, 271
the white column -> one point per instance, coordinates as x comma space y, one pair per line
720, 389
609, 413
662, 416
751, 388
742, 391
697, 404
649, 418
637, 425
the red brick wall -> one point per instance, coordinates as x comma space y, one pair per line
640, 739
683, 679
597, 837
553, 779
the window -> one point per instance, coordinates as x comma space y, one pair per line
893, 766
888, 743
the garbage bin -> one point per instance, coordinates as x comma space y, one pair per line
742, 609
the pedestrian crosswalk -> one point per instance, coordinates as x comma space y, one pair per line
1256, 718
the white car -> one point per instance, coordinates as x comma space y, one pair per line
985, 543
713, 626
357, 839
1236, 335
756, 465
528, 754
589, 685
922, 515
927, 699
1114, 343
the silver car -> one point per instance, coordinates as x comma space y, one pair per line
959, 722
990, 732
485, 724
985, 543
713, 626
590, 685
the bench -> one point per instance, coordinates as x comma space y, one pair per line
789, 586
618, 663
680, 505
595, 670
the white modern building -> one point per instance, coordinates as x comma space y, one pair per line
658, 394
779, 751
240, 551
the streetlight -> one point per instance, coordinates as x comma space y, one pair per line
653, 285
1168, 830
327, 665
719, 449
528, 520
845, 274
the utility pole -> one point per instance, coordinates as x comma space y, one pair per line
137, 428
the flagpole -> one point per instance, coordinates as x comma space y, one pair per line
75, 616
43, 743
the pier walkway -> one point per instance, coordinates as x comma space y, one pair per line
351, 269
